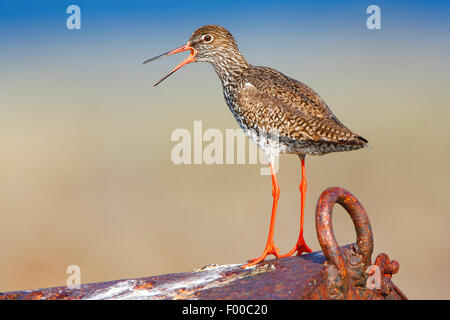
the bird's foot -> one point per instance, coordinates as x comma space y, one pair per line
270, 249
300, 247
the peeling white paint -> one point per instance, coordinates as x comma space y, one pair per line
125, 290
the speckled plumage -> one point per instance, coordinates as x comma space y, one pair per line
280, 114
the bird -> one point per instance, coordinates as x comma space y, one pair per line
278, 113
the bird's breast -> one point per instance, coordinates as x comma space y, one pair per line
248, 122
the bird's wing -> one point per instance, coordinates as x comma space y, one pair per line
292, 92
261, 111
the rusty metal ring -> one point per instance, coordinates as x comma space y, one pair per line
325, 234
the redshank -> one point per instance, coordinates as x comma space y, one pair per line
280, 114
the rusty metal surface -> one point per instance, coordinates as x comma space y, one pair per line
343, 266
272, 279
387, 269
334, 273
345, 274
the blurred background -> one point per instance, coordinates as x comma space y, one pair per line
85, 169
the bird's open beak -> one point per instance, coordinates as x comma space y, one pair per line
184, 62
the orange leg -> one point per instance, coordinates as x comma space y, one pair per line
300, 246
270, 247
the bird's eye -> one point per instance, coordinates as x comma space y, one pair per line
207, 38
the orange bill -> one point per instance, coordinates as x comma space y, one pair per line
177, 50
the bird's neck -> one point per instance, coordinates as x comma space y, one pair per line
229, 66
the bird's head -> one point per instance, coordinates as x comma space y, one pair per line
209, 43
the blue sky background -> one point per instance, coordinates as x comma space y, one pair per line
123, 33
44, 21
35, 31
